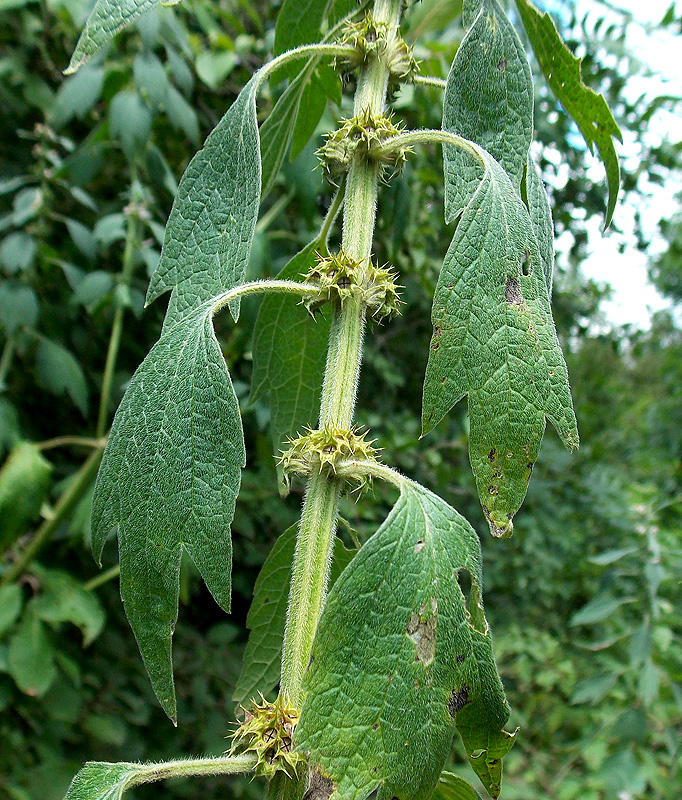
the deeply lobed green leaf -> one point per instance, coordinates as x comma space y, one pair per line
589, 109
494, 339
169, 480
398, 658
488, 100
211, 225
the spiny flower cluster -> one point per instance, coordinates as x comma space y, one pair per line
268, 731
331, 451
370, 40
340, 277
364, 135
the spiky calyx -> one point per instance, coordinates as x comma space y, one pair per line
363, 135
330, 451
268, 732
340, 278
370, 40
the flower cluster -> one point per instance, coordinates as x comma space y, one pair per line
334, 452
268, 731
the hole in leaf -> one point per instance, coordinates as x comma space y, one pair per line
320, 787
502, 64
526, 263
512, 292
458, 699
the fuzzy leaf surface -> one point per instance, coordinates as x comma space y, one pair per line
488, 100
494, 339
209, 233
98, 780
106, 19
396, 634
267, 615
588, 109
168, 480
541, 220
289, 354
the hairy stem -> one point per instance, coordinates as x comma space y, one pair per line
320, 508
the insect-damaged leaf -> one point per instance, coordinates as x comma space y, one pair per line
488, 100
106, 19
211, 225
289, 352
494, 339
267, 615
169, 479
589, 109
398, 659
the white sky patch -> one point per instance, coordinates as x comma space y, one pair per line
634, 297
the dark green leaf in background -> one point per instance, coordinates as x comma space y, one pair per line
59, 372
289, 354
398, 659
489, 100
169, 480
18, 307
24, 483
106, 19
589, 109
267, 615
31, 655
494, 339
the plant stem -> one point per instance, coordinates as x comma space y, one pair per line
6, 361
104, 577
66, 502
132, 237
320, 508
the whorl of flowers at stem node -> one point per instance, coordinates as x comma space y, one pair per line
363, 135
330, 451
268, 731
370, 40
340, 278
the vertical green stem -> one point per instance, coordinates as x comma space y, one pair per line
320, 508
132, 237
6, 361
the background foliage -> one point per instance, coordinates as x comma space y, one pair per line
584, 600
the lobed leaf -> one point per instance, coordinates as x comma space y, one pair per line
289, 353
106, 19
494, 339
540, 213
398, 660
169, 480
588, 109
98, 780
488, 100
211, 225
452, 787
267, 615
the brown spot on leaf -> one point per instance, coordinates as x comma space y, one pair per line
320, 787
458, 699
530, 465
491, 455
460, 658
421, 628
502, 64
419, 546
512, 292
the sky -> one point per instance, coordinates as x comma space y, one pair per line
634, 298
